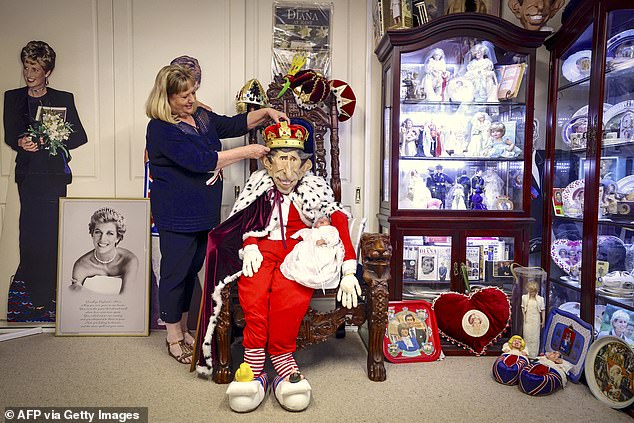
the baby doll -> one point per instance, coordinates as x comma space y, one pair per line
315, 261
534, 314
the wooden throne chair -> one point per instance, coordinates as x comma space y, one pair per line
375, 254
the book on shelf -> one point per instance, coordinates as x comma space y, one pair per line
473, 263
510, 80
427, 263
443, 257
410, 267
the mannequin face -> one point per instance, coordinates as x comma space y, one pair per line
286, 169
533, 14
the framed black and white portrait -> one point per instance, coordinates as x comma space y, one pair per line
103, 267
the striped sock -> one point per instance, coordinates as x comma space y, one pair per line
284, 364
255, 357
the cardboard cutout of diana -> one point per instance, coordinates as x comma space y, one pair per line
103, 267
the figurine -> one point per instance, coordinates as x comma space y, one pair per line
481, 73
418, 195
435, 80
547, 375
412, 89
534, 315
514, 358
476, 200
456, 198
438, 183
459, 6
477, 181
409, 136
493, 185
499, 145
435, 148
533, 14
478, 143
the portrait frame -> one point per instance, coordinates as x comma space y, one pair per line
103, 304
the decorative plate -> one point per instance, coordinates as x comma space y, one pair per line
566, 254
620, 118
584, 110
625, 185
576, 125
460, 90
577, 65
622, 38
423, 338
609, 371
572, 197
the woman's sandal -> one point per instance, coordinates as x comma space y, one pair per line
186, 351
190, 346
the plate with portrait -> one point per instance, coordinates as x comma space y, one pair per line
619, 119
577, 66
620, 45
460, 90
412, 332
572, 197
574, 132
566, 254
609, 371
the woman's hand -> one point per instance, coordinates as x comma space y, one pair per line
27, 144
255, 151
276, 115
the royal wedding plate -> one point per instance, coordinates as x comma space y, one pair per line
620, 119
620, 43
608, 370
572, 197
574, 132
577, 66
625, 185
566, 254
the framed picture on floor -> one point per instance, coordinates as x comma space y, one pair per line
103, 271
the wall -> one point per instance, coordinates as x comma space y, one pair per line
108, 54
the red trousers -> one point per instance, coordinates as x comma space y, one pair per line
273, 305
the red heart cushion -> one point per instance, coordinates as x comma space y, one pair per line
473, 321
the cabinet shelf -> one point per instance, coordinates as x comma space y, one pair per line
463, 159
625, 70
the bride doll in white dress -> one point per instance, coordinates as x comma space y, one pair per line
493, 185
478, 142
436, 76
481, 73
534, 313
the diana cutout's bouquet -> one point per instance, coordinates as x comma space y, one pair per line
52, 131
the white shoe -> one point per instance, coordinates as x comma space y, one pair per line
293, 396
247, 396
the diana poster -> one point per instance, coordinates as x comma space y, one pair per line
103, 267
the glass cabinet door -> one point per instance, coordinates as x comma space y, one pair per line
614, 310
427, 266
569, 174
462, 142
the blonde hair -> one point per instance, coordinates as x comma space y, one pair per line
513, 338
171, 79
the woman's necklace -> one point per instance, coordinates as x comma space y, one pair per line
94, 253
36, 91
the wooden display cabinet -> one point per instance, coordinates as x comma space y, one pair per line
590, 163
457, 98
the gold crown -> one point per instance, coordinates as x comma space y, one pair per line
285, 135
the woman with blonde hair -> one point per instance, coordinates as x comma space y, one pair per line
186, 162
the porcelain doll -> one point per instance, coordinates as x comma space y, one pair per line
409, 136
481, 73
534, 314
435, 80
438, 184
418, 195
476, 200
514, 358
456, 198
493, 185
501, 146
478, 143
